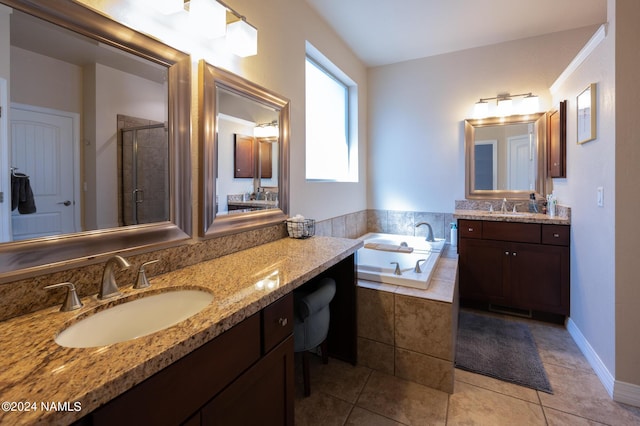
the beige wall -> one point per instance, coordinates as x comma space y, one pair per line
417, 108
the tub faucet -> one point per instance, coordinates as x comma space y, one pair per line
109, 286
397, 271
429, 231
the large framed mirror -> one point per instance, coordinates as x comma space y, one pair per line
505, 157
244, 153
99, 127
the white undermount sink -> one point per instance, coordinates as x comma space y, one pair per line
134, 319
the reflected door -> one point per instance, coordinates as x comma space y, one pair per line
521, 164
145, 174
42, 148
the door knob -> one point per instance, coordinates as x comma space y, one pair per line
66, 203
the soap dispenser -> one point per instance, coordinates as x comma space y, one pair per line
533, 205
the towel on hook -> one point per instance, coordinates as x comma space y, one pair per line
21, 194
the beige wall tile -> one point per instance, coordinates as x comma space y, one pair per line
376, 355
426, 370
424, 326
375, 315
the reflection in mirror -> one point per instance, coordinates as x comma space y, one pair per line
98, 121
244, 153
505, 157
246, 179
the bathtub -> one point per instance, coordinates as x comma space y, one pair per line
375, 264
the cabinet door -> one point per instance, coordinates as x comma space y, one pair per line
540, 277
243, 157
261, 396
483, 267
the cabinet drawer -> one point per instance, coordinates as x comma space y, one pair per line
557, 235
277, 322
470, 228
511, 231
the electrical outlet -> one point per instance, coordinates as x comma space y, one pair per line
600, 197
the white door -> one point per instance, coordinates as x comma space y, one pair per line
42, 147
521, 163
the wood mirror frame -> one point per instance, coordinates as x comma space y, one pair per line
539, 120
49, 254
210, 79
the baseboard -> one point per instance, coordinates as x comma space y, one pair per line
594, 360
626, 393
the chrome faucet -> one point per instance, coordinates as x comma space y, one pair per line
109, 286
397, 271
429, 231
503, 209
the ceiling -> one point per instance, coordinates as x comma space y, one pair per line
382, 32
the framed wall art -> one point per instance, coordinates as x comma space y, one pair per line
586, 103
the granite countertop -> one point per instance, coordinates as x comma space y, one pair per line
35, 370
511, 217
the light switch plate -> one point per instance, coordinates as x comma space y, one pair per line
600, 197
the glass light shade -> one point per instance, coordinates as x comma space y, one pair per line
481, 109
242, 38
530, 104
268, 131
166, 7
505, 107
209, 17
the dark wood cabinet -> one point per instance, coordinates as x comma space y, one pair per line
516, 265
557, 142
245, 152
244, 376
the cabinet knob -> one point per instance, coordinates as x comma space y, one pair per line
556, 235
470, 229
514, 253
283, 321
506, 253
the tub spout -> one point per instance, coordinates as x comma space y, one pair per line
429, 231
397, 271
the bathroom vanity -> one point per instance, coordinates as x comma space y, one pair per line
516, 264
232, 361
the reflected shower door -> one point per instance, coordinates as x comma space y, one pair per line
144, 174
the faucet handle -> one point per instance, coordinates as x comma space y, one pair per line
417, 269
71, 300
397, 271
514, 207
490, 207
143, 281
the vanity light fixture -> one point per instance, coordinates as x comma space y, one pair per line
166, 7
242, 38
266, 130
209, 17
216, 19
504, 102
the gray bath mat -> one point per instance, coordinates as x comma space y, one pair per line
501, 349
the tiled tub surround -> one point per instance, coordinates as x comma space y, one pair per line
411, 333
35, 368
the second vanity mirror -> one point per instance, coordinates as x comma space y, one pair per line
505, 157
244, 153
115, 95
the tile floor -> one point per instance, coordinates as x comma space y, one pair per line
342, 394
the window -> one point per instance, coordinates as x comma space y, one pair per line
330, 154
